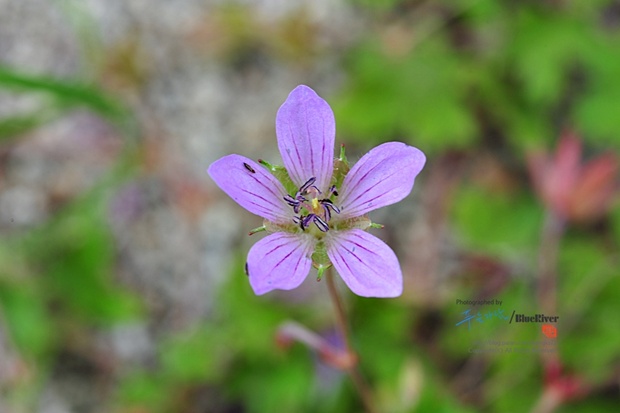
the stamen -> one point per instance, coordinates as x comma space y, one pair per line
316, 210
307, 185
328, 215
322, 225
296, 202
299, 220
329, 204
290, 200
305, 222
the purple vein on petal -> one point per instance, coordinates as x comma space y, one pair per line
365, 263
297, 264
305, 124
278, 197
383, 176
269, 188
309, 140
351, 252
354, 183
298, 175
351, 202
282, 260
279, 261
266, 211
357, 181
263, 208
338, 257
254, 189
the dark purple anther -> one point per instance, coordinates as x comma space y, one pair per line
305, 222
296, 202
322, 225
327, 203
309, 184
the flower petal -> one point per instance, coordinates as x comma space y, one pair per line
306, 131
366, 264
383, 176
252, 187
280, 261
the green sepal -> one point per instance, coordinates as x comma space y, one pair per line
341, 168
362, 223
343, 157
272, 227
320, 260
281, 175
320, 270
375, 225
257, 229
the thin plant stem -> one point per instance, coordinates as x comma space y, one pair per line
343, 329
552, 231
551, 237
548, 402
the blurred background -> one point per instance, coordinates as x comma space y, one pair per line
121, 263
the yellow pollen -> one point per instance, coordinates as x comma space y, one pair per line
315, 206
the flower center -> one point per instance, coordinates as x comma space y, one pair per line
311, 207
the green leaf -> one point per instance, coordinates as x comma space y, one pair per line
419, 97
282, 387
545, 48
69, 95
13, 126
597, 114
144, 390
26, 317
589, 290
497, 223
615, 224
75, 254
436, 398
194, 356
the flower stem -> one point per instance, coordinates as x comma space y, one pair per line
553, 229
548, 402
551, 237
343, 329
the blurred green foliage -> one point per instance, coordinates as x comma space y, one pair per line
465, 77
64, 265
524, 70
476, 216
57, 98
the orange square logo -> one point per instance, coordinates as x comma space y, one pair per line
549, 331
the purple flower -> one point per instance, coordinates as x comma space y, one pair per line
316, 208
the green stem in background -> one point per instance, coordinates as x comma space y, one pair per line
548, 402
551, 236
553, 229
343, 329
547, 281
